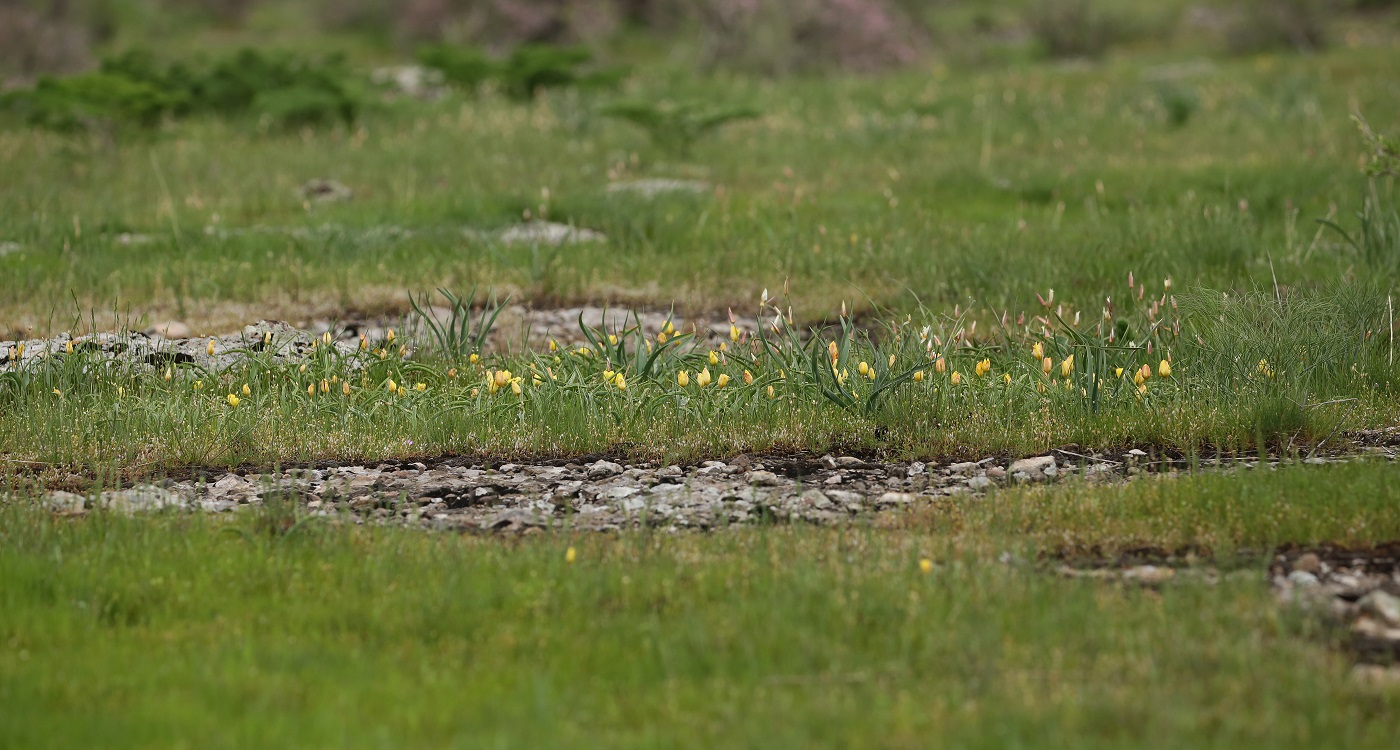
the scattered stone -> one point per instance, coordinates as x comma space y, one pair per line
979, 483
996, 472
650, 188
548, 233
415, 81
322, 190
962, 467
601, 469
1302, 579
1149, 574
915, 469
1382, 606
1036, 467
763, 479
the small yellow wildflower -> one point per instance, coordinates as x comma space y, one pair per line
770, 393
661, 337
420, 387
748, 378
364, 342
233, 400
668, 329
714, 358
311, 389
1117, 372
246, 390
621, 382
474, 358
391, 385
58, 393
724, 346
683, 378
925, 566
302, 368
1038, 351
326, 338
325, 386
939, 366
608, 376
502, 377
1146, 371
345, 388
863, 369
452, 374
612, 339
733, 332
1067, 366
919, 376
68, 347
169, 373
957, 377
723, 380
984, 367
515, 386
199, 385
553, 345
703, 379
570, 555
1007, 378
833, 351
891, 360
390, 335
1164, 369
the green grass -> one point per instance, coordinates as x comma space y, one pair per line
180, 630
940, 185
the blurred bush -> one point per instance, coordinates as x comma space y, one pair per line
1271, 25
786, 36
133, 89
1073, 28
35, 41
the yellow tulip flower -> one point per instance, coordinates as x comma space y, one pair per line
233, 400
683, 378
1164, 369
957, 377
723, 380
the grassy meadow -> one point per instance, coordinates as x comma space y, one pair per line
152, 632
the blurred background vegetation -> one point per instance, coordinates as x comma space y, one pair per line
767, 37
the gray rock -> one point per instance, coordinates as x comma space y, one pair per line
763, 479
140, 499
962, 467
979, 483
1384, 607
1302, 579
817, 499
892, 499
1036, 468
548, 233
601, 469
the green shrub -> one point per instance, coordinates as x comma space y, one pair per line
91, 100
135, 89
464, 67
677, 128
